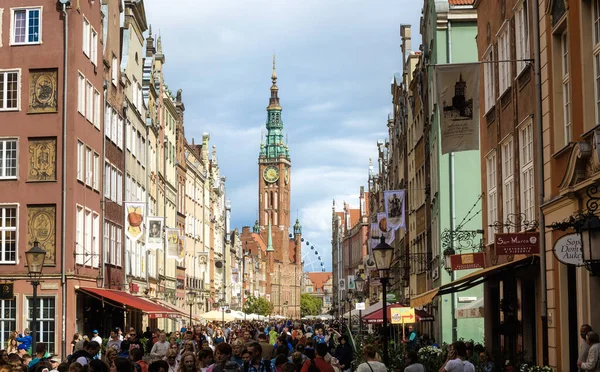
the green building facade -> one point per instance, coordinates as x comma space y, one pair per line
449, 33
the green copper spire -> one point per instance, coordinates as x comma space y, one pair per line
297, 228
270, 240
273, 147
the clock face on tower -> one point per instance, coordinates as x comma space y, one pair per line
271, 174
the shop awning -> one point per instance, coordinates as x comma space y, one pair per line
471, 310
377, 315
171, 307
127, 301
470, 280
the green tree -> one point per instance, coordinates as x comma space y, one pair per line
309, 305
258, 305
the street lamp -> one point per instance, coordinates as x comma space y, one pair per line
590, 238
191, 301
383, 253
359, 283
448, 252
35, 258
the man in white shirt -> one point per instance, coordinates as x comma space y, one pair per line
412, 362
114, 341
457, 359
160, 347
98, 339
371, 364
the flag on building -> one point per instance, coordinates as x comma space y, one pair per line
134, 220
394, 208
458, 100
390, 234
172, 243
154, 233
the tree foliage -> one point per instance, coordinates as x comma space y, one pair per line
310, 305
258, 305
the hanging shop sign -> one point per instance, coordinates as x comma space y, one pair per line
468, 261
568, 250
517, 243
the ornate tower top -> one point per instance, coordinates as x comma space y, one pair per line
273, 146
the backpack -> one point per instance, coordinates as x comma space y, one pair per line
76, 355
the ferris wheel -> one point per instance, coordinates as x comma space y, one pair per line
311, 257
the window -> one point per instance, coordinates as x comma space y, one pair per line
527, 180
106, 246
81, 94
94, 47
107, 179
27, 26
135, 92
79, 242
596, 21
46, 315
96, 109
113, 244
88, 238
115, 71
522, 35
139, 96
107, 120
564, 47
9, 90
89, 102
508, 183
119, 248
8, 321
96, 171
119, 137
95, 239
80, 161
8, 234
89, 175
8, 159
504, 55
86, 37
596, 38
488, 72
492, 195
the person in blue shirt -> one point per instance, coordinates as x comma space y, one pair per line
257, 363
412, 338
25, 340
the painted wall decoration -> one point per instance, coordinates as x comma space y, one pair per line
42, 159
154, 240
41, 227
43, 91
172, 235
134, 220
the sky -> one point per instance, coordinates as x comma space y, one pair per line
335, 63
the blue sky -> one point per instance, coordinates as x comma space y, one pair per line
335, 62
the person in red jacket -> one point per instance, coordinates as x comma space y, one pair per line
319, 361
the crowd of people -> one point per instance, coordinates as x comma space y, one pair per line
229, 347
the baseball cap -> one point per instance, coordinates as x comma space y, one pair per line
95, 331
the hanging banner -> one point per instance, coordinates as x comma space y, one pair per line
154, 232
172, 243
458, 100
134, 220
351, 282
181, 248
375, 233
390, 234
394, 208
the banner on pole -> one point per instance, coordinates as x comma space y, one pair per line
172, 243
134, 220
154, 232
458, 99
394, 208
390, 234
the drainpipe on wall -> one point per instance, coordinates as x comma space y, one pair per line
165, 143
124, 146
63, 238
147, 252
540, 177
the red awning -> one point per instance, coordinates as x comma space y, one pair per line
129, 301
377, 315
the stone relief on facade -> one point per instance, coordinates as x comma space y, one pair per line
43, 91
42, 160
41, 227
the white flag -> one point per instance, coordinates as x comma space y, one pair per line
458, 101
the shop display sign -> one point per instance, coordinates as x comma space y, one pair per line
568, 250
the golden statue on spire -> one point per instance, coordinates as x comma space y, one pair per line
274, 75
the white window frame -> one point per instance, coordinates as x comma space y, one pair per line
4, 158
492, 193
81, 86
79, 234
94, 46
527, 184
89, 174
87, 247
508, 181
114, 71
8, 321
43, 321
566, 86
80, 161
489, 79
97, 104
4, 229
89, 101
522, 35
96, 170
13, 25
504, 68
119, 247
85, 41
4, 78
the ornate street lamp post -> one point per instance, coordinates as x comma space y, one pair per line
359, 283
191, 301
35, 258
383, 254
